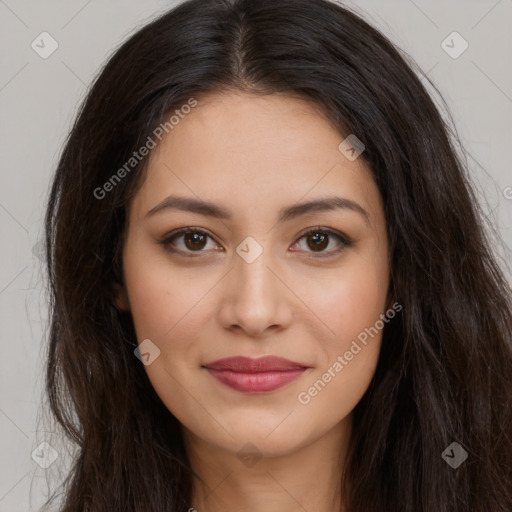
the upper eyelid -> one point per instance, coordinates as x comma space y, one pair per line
183, 231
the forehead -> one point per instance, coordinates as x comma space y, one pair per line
243, 149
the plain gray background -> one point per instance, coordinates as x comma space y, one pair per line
38, 101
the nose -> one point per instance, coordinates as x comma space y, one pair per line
255, 298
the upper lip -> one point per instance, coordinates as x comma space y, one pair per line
248, 365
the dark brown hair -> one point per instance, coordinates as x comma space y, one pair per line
445, 369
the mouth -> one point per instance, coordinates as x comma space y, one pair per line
248, 375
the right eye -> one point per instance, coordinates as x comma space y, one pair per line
192, 240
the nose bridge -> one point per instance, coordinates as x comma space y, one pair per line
255, 299
253, 279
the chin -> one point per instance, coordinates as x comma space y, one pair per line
264, 441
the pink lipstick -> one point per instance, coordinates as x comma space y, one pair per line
255, 375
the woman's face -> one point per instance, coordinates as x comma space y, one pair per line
247, 282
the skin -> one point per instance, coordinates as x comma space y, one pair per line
255, 155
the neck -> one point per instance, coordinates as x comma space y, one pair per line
309, 478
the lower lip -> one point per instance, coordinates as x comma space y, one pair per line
255, 382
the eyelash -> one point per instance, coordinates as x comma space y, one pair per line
169, 239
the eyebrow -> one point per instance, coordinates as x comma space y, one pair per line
208, 209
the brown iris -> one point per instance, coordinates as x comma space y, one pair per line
319, 241
197, 241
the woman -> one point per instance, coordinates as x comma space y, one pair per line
271, 288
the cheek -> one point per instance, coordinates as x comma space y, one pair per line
170, 312
155, 306
349, 357
161, 296
350, 300
351, 305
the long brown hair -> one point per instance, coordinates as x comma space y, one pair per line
445, 369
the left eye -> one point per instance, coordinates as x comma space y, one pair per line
195, 240
318, 239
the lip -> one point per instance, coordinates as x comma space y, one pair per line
248, 375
